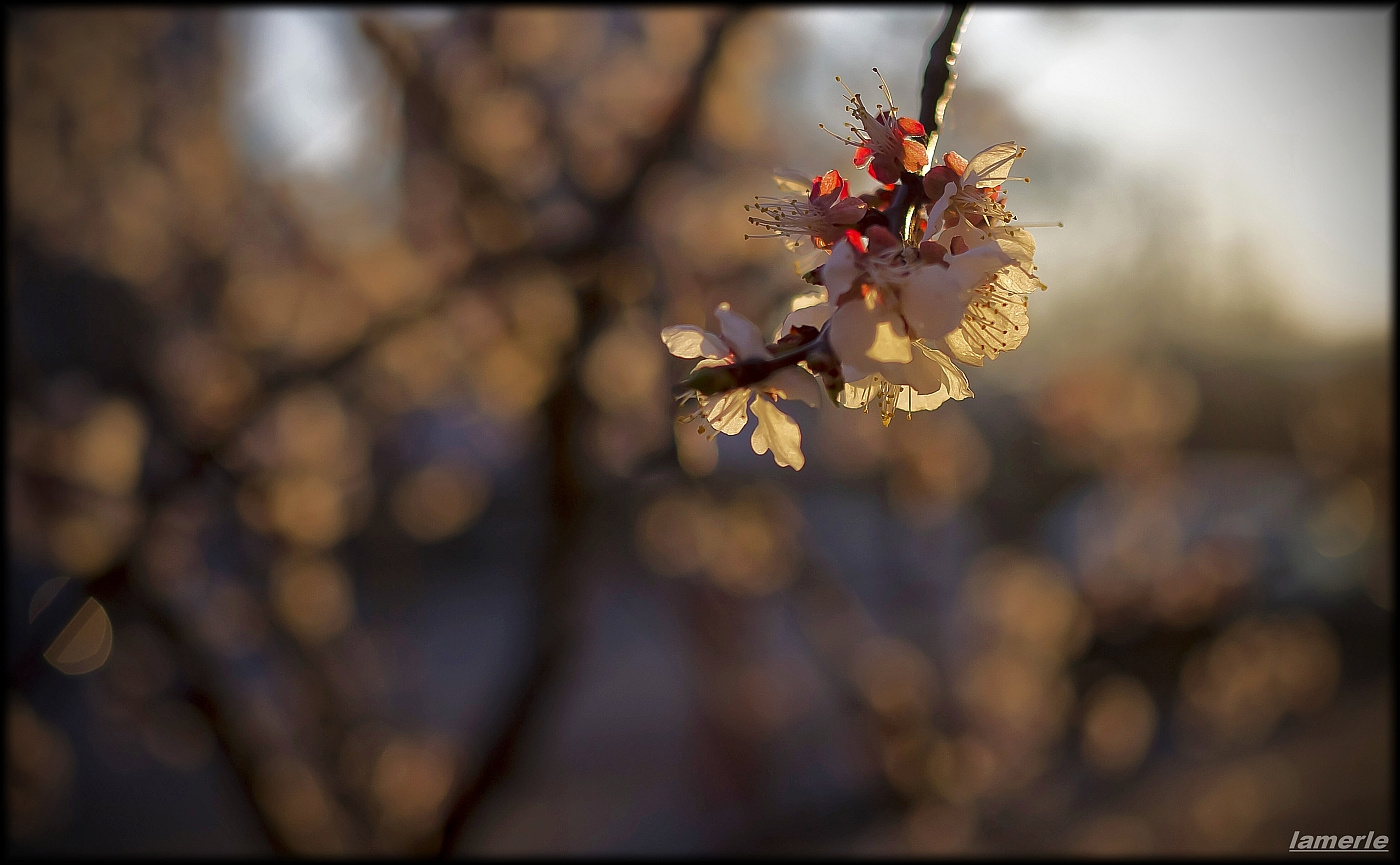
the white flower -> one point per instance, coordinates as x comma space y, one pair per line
996, 318
885, 142
971, 208
969, 191
829, 209
889, 304
727, 411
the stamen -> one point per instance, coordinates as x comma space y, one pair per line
857, 143
884, 88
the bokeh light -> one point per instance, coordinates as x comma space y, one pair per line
348, 513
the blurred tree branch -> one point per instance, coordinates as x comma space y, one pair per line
555, 590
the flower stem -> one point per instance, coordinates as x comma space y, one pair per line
816, 353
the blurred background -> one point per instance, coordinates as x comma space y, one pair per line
347, 514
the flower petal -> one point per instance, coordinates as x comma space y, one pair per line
996, 319
935, 215
993, 165
815, 297
808, 258
922, 373
910, 400
858, 393
954, 381
809, 316
742, 334
851, 333
891, 343
1017, 243
687, 340
977, 265
847, 211
792, 180
728, 412
793, 383
934, 300
915, 156
778, 432
1016, 280
841, 270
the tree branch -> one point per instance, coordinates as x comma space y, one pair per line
939, 76
555, 625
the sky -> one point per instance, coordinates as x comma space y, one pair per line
1275, 123
1280, 119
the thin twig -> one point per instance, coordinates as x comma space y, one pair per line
939, 76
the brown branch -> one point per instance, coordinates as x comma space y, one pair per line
555, 625
939, 76
203, 695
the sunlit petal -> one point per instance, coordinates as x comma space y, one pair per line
728, 412
740, 333
794, 383
993, 165
687, 340
778, 432
840, 271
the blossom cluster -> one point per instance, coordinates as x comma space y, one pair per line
926, 270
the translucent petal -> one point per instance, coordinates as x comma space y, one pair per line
808, 298
790, 382
779, 433
687, 340
792, 180
891, 343
922, 372
809, 259
993, 165
740, 333
728, 413
996, 320
852, 332
1017, 243
911, 400
934, 301
1016, 280
977, 264
954, 381
828, 183
857, 394
840, 271
915, 156
935, 223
